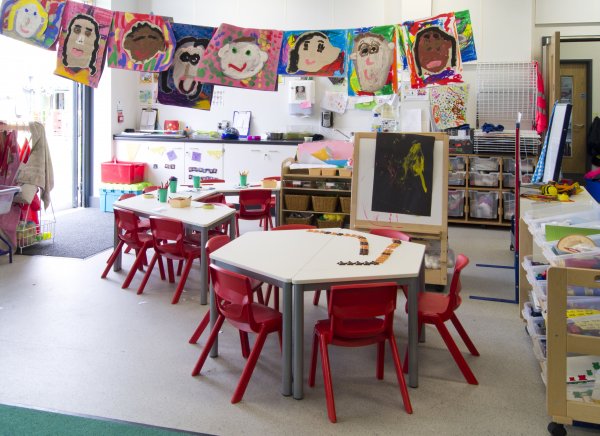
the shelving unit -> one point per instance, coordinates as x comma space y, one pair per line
481, 188
299, 186
544, 306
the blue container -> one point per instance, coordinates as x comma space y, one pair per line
593, 187
109, 196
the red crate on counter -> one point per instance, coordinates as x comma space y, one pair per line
122, 172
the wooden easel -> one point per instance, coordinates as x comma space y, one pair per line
421, 228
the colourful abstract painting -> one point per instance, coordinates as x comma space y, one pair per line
466, 41
403, 174
449, 105
372, 67
433, 53
35, 22
180, 85
82, 43
242, 58
140, 42
314, 53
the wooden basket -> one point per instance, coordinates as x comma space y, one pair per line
324, 204
323, 224
345, 172
345, 204
296, 202
328, 171
298, 220
180, 202
314, 171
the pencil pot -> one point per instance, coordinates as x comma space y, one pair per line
243, 179
162, 195
173, 186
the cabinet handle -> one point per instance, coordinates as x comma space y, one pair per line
273, 151
255, 150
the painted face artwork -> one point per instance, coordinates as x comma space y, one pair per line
144, 41
189, 52
434, 50
30, 19
373, 56
242, 58
312, 52
81, 44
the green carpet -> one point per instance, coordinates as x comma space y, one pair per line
21, 421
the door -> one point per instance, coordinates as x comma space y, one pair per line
573, 87
553, 68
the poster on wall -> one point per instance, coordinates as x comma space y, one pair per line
449, 105
140, 42
242, 58
35, 22
403, 174
314, 53
466, 41
180, 85
372, 67
82, 43
432, 52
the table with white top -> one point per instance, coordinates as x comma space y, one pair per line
194, 217
301, 260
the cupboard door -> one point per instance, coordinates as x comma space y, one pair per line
204, 160
259, 160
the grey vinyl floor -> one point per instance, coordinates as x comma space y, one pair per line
72, 342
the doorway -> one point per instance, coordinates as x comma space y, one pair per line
31, 92
575, 88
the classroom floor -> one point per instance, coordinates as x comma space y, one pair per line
73, 342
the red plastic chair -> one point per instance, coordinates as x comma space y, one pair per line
271, 287
388, 233
149, 189
214, 244
235, 303
211, 181
168, 242
437, 308
359, 315
130, 234
143, 223
254, 205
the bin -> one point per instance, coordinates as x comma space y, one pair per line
122, 172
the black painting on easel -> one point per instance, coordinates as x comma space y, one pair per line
403, 174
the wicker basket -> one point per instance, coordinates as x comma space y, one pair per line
296, 202
298, 220
345, 204
323, 224
324, 204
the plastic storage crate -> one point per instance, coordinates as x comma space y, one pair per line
483, 204
122, 172
484, 163
508, 205
456, 178
109, 196
456, 203
483, 179
457, 163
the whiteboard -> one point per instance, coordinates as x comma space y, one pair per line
557, 133
362, 214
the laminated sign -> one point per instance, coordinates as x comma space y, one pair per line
82, 43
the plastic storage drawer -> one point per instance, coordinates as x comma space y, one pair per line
483, 204
456, 178
508, 164
456, 203
109, 196
508, 180
457, 163
484, 163
508, 205
487, 180
122, 172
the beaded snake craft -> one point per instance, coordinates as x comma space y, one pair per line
364, 248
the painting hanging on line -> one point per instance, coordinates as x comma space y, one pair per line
433, 52
449, 105
466, 41
372, 67
314, 53
35, 22
403, 174
82, 43
180, 85
140, 42
242, 58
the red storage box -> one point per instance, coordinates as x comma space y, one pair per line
122, 172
